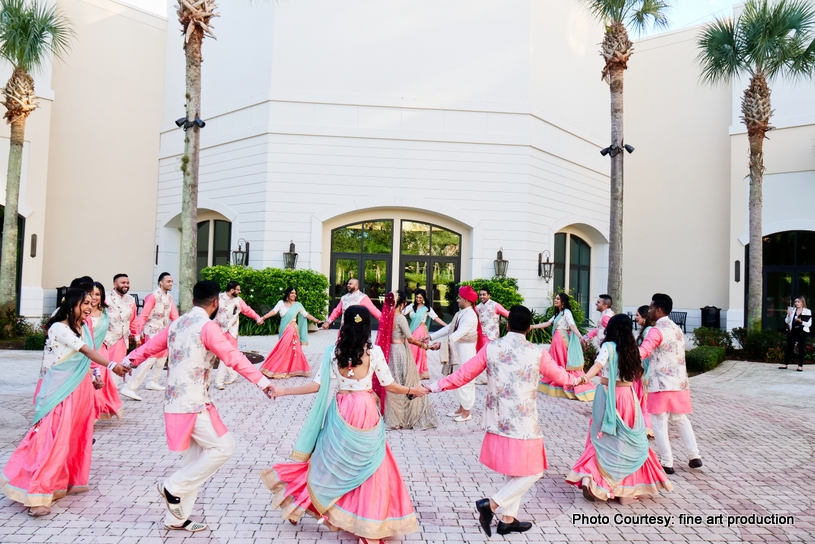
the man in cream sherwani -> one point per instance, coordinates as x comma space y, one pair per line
465, 338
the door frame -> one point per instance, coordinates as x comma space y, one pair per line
360, 258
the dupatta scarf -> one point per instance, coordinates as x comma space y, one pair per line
302, 323
418, 318
100, 330
621, 450
383, 340
646, 363
341, 457
62, 379
574, 360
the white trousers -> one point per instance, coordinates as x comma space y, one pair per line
207, 453
466, 395
223, 372
659, 422
508, 498
144, 369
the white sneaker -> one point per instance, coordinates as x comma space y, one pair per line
125, 391
453, 414
233, 380
460, 419
219, 386
153, 386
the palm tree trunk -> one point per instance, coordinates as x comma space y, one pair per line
615, 231
8, 259
189, 167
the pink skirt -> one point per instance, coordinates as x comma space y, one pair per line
287, 358
419, 355
560, 353
674, 402
107, 402
647, 480
379, 508
54, 457
639, 390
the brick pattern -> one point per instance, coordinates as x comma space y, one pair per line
756, 468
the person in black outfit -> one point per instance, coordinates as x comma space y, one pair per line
798, 320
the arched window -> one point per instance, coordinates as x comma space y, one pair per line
572, 262
214, 241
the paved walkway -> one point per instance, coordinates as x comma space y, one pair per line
754, 424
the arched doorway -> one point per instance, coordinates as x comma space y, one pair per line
572, 267
214, 242
789, 270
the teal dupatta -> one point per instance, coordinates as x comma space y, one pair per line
418, 318
646, 363
341, 457
62, 379
621, 450
574, 347
101, 330
302, 323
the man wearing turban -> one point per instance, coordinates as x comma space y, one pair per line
465, 338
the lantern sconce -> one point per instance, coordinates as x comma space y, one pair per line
545, 268
290, 257
240, 256
501, 265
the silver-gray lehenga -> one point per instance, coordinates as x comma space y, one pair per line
401, 413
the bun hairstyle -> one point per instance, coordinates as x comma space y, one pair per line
643, 313
401, 299
354, 337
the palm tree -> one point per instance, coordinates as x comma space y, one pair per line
768, 40
616, 50
195, 17
31, 32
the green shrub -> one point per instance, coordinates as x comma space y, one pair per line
544, 336
504, 291
775, 355
262, 289
35, 342
704, 336
758, 343
589, 355
739, 334
704, 358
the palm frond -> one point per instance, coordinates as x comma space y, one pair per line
720, 51
636, 15
32, 31
776, 34
607, 11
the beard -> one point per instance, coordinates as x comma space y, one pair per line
213, 314
122, 290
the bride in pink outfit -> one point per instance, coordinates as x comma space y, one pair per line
346, 475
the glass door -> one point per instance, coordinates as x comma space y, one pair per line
777, 298
445, 278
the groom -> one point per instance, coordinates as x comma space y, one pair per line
513, 443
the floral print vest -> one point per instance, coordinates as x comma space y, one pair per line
189, 363
159, 318
667, 371
229, 314
513, 368
120, 312
489, 319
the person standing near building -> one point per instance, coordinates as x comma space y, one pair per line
123, 317
287, 358
352, 297
465, 338
159, 311
798, 320
107, 399
192, 422
230, 308
489, 313
420, 314
668, 386
598, 333
513, 443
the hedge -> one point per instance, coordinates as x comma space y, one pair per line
262, 289
504, 291
704, 358
544, 336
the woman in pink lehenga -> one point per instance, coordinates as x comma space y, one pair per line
287, 358
346, 475
641, 386
617, 461
54, 457
567, 352
420, 315
107, 400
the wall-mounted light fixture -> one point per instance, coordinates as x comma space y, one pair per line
545, 268
186, 124
501, 265
33, 245
737, 271
290, 258
240, 256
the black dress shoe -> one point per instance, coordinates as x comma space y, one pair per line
485, 515
668, 470
514, 527
695, 463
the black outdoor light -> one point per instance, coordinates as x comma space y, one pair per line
501, 265
615, 150
185, 124
290, 258
545, 268
240, 257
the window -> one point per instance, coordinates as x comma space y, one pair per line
214, 244
573, 265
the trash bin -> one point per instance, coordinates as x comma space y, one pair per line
710, 317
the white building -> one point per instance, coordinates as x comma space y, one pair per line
405, 143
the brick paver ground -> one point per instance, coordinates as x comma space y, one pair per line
754, 424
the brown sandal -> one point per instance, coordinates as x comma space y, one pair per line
38, 511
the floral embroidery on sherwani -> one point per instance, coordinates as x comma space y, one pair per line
489, 319
159, 317
229, 314
667, 370
120, 312
513, 365
190, 365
